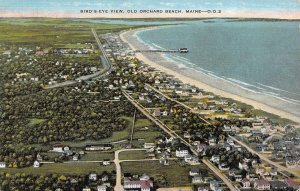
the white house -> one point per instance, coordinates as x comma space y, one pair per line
215, 159
197, 179
165, 113
36, 164
93, 176
181, 152
58, 148
187, 135
149, 145
194, 90
212, 141
243, 166
106, 162
141, 97
2, 165
101, 188
262, 184
246, 183
194, 172
230, 142
223, 167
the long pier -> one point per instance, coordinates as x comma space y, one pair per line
165, 51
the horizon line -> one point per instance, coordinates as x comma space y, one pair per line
129, 18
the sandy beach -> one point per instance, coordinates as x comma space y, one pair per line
187, 76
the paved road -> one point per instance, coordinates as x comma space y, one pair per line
119, 186
117, 161
133, 125
139, 160
155, 120
280, 167
175, 135
108, 63
219, 173
176, 101
74, 161
107, 67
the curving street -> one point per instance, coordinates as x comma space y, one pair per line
107, 67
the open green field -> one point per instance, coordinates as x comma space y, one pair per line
148, 136
63, 168
35, 121
174, 174
51, 32
140, 123
75, 46
133, 155
97, 156
274, 118
120, 135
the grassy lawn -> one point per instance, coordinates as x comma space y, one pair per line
120, 135
117, 136
75, 46
273, 117
52, 155
97, 156
174, 174
62, 168
170, 123
142, 123
194, 100
125, 134
35, 121
148, 136
133, 155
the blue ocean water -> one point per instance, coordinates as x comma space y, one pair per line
260, 56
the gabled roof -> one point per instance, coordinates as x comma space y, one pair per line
144, 184
245, 180
261, 182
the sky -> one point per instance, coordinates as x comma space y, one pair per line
58, 8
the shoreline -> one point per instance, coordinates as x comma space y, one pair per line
189, 80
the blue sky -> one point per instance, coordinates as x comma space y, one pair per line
75, 5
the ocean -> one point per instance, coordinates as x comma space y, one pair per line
261, 57
255, 59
